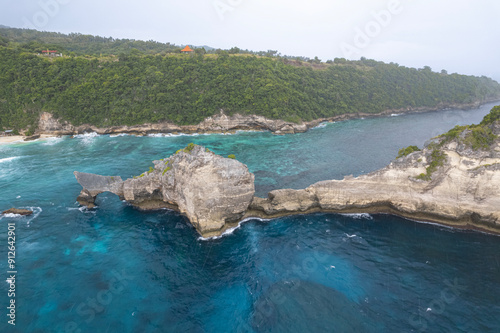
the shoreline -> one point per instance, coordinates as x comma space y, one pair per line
224, 124
22, 138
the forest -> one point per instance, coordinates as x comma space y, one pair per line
97, 86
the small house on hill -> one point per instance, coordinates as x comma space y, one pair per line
187, 49
51, 53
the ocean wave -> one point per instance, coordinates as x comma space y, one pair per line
52, 141
323, 124
82, 209
12, 215
117, 135
86, 135
231, 230
8, 159
167, 135
87, 138
359, 216
396, 114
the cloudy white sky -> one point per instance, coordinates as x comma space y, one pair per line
457, 35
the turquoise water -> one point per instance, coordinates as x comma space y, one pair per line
115, 269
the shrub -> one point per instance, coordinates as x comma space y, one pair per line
491, 117
231, 156
189, 147
407, 151
437, 159
480, 137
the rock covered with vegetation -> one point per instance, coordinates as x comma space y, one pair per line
454, 180
211, 191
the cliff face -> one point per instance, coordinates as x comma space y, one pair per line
210, 190
464, 191
454, 180
220, 123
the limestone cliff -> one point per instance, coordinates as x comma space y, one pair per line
220, 123
454, 180
450, 182
212, 191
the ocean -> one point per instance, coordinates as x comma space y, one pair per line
117, 269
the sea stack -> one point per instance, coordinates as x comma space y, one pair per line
213, 192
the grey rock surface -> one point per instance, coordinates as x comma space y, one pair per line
210, 190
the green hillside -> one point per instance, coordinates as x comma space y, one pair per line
133, 87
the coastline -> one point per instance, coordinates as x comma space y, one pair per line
222, 123
22, 138
11, 139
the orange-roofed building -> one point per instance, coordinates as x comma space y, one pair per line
187, 49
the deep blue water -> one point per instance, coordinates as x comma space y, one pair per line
116, 269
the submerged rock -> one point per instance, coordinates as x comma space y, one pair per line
304, 306
18, 211
212, 191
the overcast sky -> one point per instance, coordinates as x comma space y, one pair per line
457, 35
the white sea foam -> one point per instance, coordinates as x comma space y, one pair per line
87, 138
117, 135
167, 135
231, 230
11, 215
82, 209
396, 114
350, 236
36, 211
86, 135
52, 141
8, 159
359, 216
323, 124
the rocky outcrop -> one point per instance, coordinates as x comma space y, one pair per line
211, 191
32, 137
454, 180
222, 123
18, 211
48, 124
95, 184
463, 192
